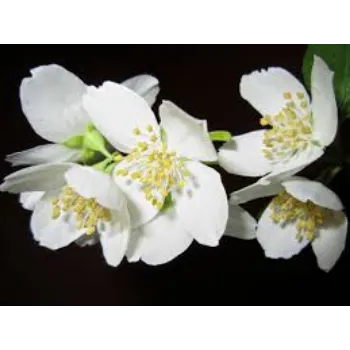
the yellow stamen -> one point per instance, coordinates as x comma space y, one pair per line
306, 216
87, 211
154, 138
137, 131
155, 168
304, 104
118, 158
291, 130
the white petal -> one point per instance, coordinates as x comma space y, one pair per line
116, 111
276, 240
264, 89
202, 207
51, 153
29, 199
240, 223
324, 105
145, 85
140, 209
304, 190
330, 243
255, 191
114, 244
52, 102
243, 155
91, 183
161, 240
36, 178
283, 171
52, 234
134, 250
186, 135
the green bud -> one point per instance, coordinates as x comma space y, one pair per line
87, 155
220, 135
75, 142
93, 140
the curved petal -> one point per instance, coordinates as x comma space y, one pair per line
265, 90
186, 135
278, 241
255, 191
52, 102
283, 171
161, 239
115, 243
324, 105
145, 85
304, 190
117, 111
243, 155
240, 223
330, 243
29, 199
140, 209
52, 234
91, 183
51, 153
202, 206
36, 178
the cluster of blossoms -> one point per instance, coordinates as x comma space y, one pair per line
144, 188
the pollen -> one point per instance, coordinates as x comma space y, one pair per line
86, 211
118, 158
306, 216
158, 170
291, 129
154, 138
137, 131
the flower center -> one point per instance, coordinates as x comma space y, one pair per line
291, 129
87, 212
307, 217
155, 168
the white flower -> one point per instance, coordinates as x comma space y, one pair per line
300, 129
303, 212
161, 166
52, 102
73, 203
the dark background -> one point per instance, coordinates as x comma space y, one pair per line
204, 81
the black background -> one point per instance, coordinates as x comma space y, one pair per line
204, 81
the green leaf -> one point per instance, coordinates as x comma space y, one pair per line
337, 58
220, 135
